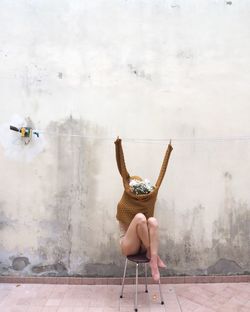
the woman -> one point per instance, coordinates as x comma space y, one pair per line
135, 213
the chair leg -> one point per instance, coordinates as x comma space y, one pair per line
136, 287
146, 277
123, 279
162, 301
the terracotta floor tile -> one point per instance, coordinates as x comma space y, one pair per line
157, 307
7, 286
244, 309
23, 301
38, 302
65, 309
15, 308
188, 305
247, 304
231, 305
111, 302
4, 293
203, 309
57, 294
126, 309
53, 302
218, 299
98, 298
224, 297
242, 297
71, 302
34, 309
50, 309
80, 309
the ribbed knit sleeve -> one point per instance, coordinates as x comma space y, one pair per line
164, 165
121, 161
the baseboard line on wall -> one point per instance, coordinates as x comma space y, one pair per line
129, 280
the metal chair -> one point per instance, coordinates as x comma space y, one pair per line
138, 258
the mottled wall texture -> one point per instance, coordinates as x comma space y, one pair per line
83, 72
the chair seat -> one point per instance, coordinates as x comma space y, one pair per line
139, 258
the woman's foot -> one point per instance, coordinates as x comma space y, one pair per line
160, 263
154, 268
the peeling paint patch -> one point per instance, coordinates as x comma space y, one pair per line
225, 266
185, 54
50, 249
75, 166
5, 221
52, 268
110, 269
228, 175
194, 255
34, 79
19, 263
175, 6
139, 73
231, 231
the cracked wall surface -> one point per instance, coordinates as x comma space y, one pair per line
84, 72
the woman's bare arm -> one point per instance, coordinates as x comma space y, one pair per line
164, 165
120, 160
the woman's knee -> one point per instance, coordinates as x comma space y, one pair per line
152, 223
140, 218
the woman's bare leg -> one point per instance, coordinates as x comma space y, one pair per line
136, 235
143, 232
154, 242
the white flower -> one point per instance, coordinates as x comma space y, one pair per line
140, 187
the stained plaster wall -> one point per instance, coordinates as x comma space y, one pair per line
82, 70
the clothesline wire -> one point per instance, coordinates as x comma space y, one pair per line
152, 140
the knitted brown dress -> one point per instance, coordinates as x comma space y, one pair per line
130, 203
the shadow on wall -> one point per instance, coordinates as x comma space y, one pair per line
67, 237
226, 254
231, 233
68, 182
229, 251
68, 234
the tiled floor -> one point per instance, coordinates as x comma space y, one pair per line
230, 297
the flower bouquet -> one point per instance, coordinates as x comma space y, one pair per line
139, 186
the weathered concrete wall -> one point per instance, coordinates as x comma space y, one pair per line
138, 69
